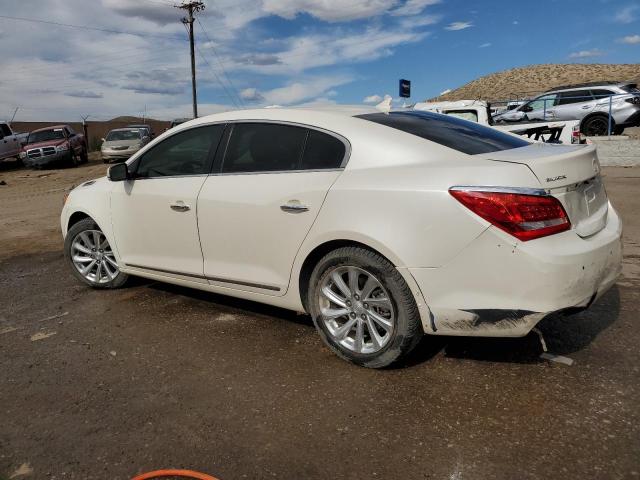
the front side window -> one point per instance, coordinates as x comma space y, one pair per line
451, 132
264, 147
541, 103
185, 153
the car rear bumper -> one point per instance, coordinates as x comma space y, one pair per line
500, 288
632, 121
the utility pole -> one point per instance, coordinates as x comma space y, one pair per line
190, 7
85, 130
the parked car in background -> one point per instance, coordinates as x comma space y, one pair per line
177, 121
59, 144
588, 102
382, 226
121, 143
149, 131
479, 111
9, 142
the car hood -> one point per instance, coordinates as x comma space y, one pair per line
121, 143
49, 143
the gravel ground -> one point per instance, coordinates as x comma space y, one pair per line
104, 385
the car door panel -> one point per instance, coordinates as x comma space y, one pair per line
150, 233
249, 241
154, 214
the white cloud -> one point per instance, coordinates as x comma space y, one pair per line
419, 21
328, 10
627, 14
372, 99
251, 95
587, 53
630, 39
297, 92
515, 22
444, 92
458, 26
485, 45
413, 7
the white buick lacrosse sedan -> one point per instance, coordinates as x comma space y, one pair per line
382, 226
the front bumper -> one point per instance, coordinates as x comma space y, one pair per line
58, 157
497, 287
116, 154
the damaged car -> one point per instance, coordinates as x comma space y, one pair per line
382, 226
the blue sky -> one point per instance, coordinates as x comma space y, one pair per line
253, 53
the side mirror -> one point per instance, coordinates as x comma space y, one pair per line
72, 134
119, 172
102, 140
145, 139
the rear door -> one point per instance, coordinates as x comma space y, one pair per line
154, 214
255, 213
573, 105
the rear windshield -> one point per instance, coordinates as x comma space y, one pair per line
631, 88
460, 135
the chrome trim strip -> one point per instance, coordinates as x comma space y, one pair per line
204, 277
489, 188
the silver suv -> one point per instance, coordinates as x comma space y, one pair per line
588, 102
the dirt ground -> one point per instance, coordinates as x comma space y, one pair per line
105, 385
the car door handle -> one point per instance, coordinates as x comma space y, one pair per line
294, 206
586, 107
180, 207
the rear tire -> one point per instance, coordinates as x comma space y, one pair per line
74, 159
88, 253
380, 322
596, 126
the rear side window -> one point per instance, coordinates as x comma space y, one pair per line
470, 115
264, 147
601, 93
460, 135
322, 151
185, 153
576, 96
4, 130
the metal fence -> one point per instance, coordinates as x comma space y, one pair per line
548, 104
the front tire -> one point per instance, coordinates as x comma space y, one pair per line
362, 308
90, 256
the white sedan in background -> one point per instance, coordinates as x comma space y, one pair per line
382, 226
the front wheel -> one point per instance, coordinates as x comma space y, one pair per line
90, 256
362, 307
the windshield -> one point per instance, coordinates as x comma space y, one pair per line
118, 135
46, 135
460, 135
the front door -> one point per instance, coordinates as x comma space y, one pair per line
254, 215
154, 214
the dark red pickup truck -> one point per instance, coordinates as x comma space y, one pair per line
57, 144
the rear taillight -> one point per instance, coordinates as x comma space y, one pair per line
634, 100
524, 216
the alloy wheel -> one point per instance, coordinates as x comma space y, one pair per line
92, 256
356, 309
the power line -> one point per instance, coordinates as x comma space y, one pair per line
97, 29
204, 31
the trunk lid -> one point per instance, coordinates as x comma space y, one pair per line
569, 173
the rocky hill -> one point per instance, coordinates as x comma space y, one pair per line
526, 81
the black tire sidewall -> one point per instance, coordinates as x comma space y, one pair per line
81, 226
407, 326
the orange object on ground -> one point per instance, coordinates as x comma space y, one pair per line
174, 473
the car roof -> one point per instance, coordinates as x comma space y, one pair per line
578, 86
52, 127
